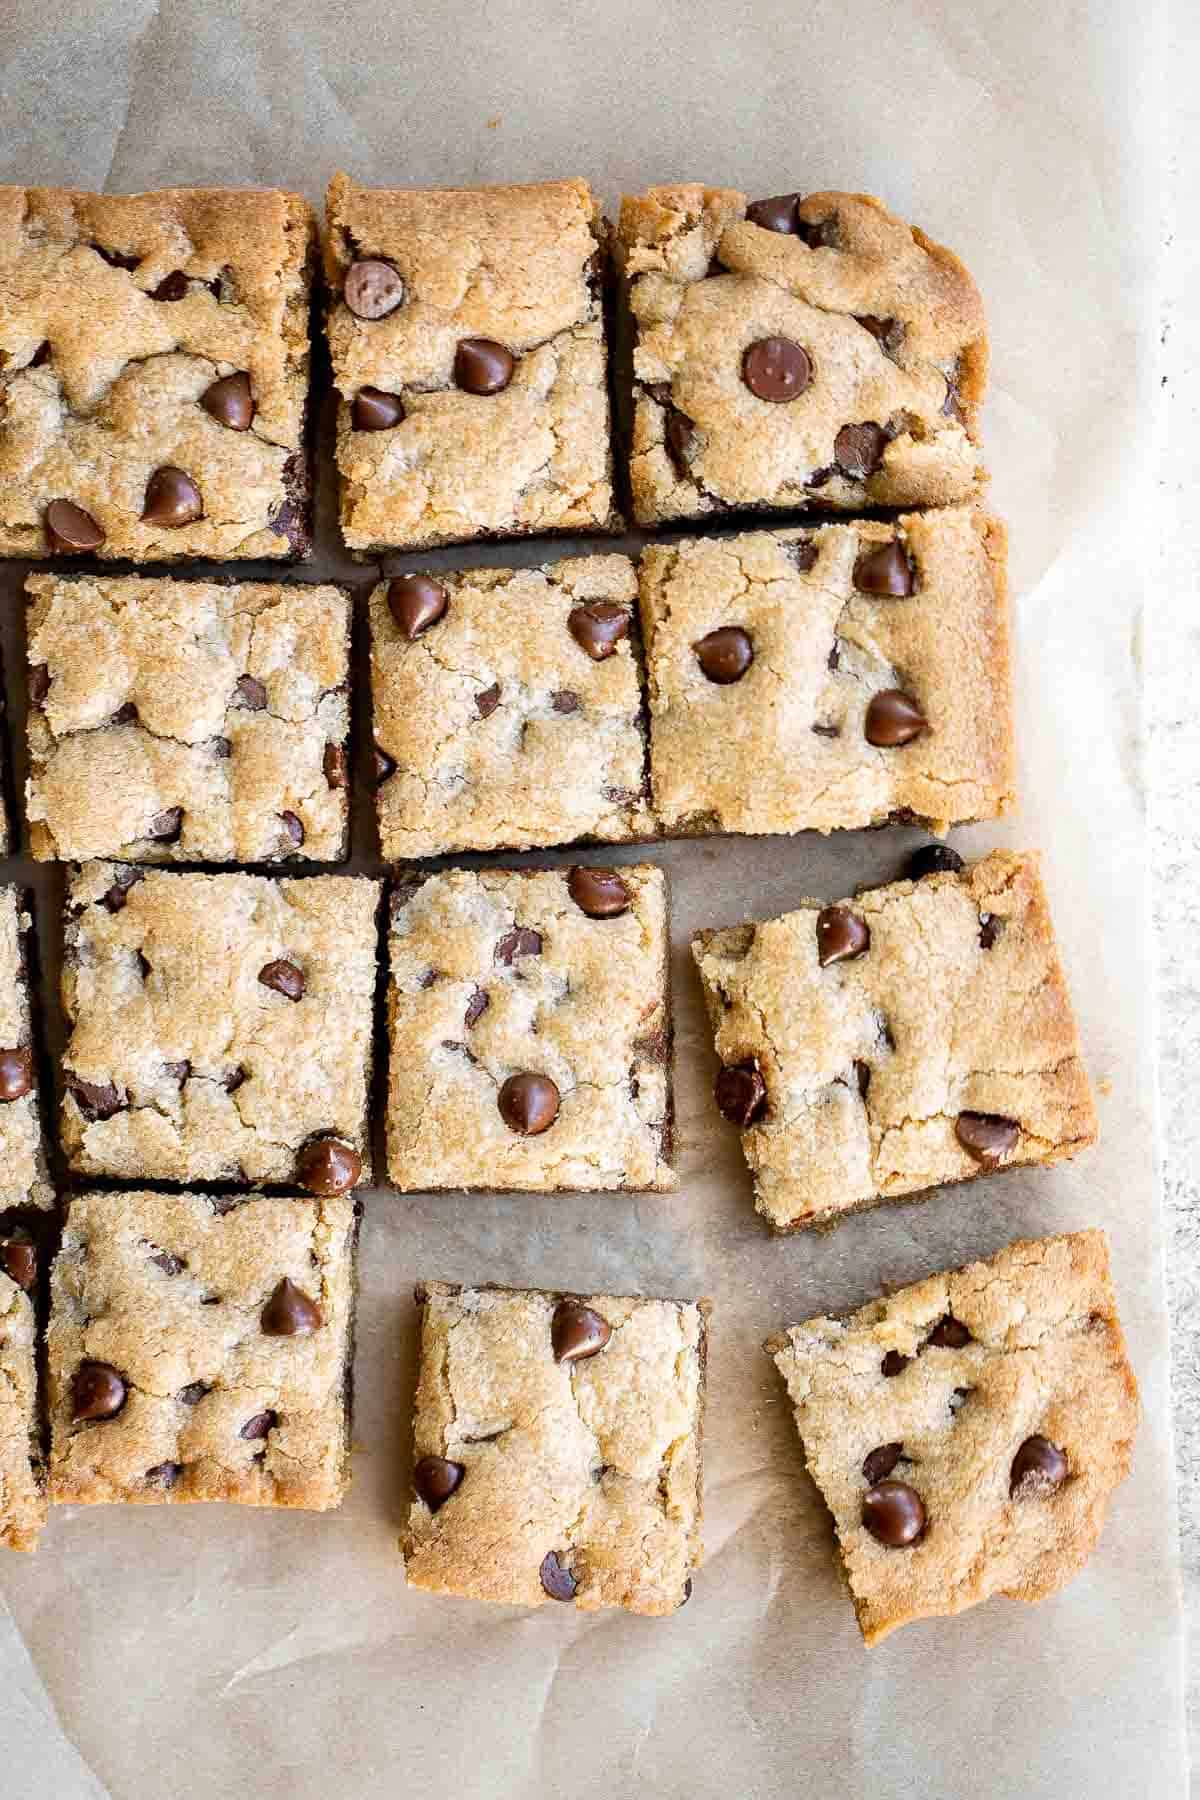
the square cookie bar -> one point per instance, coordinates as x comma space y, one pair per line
558, 1448
200, 1349
966, 1433
154, 358
917, 1034
466, 329
847, 676
220, 1026
795, 353
22, 1472
530, 1035
24, 1180
508, 709
175, 721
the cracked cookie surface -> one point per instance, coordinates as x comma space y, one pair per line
505, 732
517, 268
784, 746
24, 1179
219, 1024
119, 315
500, 975
941, 1047
581, 1478
1000, 1395
187, 721
881, 405
22, 1476
172, 1295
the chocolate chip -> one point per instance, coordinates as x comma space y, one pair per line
477, 1005
724, 655
113, 900
828, 731
803, 553
416, 602
328, 1167
284, 978
600, 893
373, 410
482, 366
384, 766
172, 287
741, 1093
436, 1478
776, 214
988, 1137
178, 1071
289, 1312
230, 402
41, 355
949, 1334
841, 935
577, 1332
776, 369
687, 1593
488, 700
16, 1073
520, 941
678, 436
372, 288
879, 1463
39, 683
893, 718
893, 1364
556, 1578
68, 527
170, 1265
233, 1079
252, 692
260, 1425
933, 859
193, 1393
164, 1474
989, 930
821, 234
893, 1513
565, 701
18, 1259
117, 259
125, 715
859, 449
528, 1104
888, 333
172, 499
885, 570
334, 765
166, 826
292, 827
98, 1392
1037, 1469
660, 391
821, 477
598, 627
95, 1100
862, 1076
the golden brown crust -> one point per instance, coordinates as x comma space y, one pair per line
24, 1178
22, 1476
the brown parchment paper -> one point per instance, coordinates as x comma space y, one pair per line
210, 1651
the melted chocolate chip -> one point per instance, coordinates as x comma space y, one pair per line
260, 1425
776, 369
557, 1580
16, 1073
374, 410
167, 826
577, 1332
776, 214
289, 1312
859, 449
327, 1166
284, 978
598, 627
1038, 1468
416, 602
482, 366
230, 402
18, 1259
97, 1392
933, 859
949, 1334
841, 935
520, 941
172, 499
384, 766
893, 718
879, 1463
372, 288
885, 571
436, 1478
69, 527
888, 333
193, 1393
893, 1513
39, 683
893, 1364
600, 893
528, 1104
172, 287
741, 1094
988, 1137
725, 655
989, 930
95, 1100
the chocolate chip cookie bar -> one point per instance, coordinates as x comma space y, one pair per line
967, 1433
916, 1034
200, 1349
846, 676
174, 721
508, 709
154, 373
22, 1474
530, 1037
801, 352
558, 1448
24, 1181
466, 331
220, 1026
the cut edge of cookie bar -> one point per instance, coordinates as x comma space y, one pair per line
302, 1487
1065, 1452
658, 1048
22, 1065
560, 1582
23, 1497
985, 1155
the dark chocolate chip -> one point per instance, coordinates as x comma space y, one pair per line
372, 288
776, 369
988, 1137
989, 930
776, 214
172, 287
230, 402
252, 692
68, 527
39, 683
933, 859
862, 1075
859, 449
18, 1259
327, 1166
893, 718
260, 1425
577, 1332
170, 1265
482, 366
98, 1391
821, 477
600, 893
724, 655
125, 715
166, 826
564, 701
384, 766
528, 1104
233, 1079
893, 1364
949, 1334
803, 553
416, 602
660, 391
16, 1073
828, 731
436, 1478
172, 499
888, 333
886, 571
373, 410
193, 1393
95, 1100
41, 355
284, 978
334, 765
879, 1463
164, 1474
819, 234
477, 1005
520, 941
598, 627
487, 700
893, 1513
678, 436
741, 1094
178, 1071
117, 259
556, 1578
1037, 1469
841, 935
289, 1312
292, 827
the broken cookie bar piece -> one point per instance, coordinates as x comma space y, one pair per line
558, 1448
199, 1349
508, 709
220, 1026
967, 1433
529, 1031
179, 721
916, 1034
798, 352
154, 373
832, 678
22, 1474
466, 330
24, 1180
